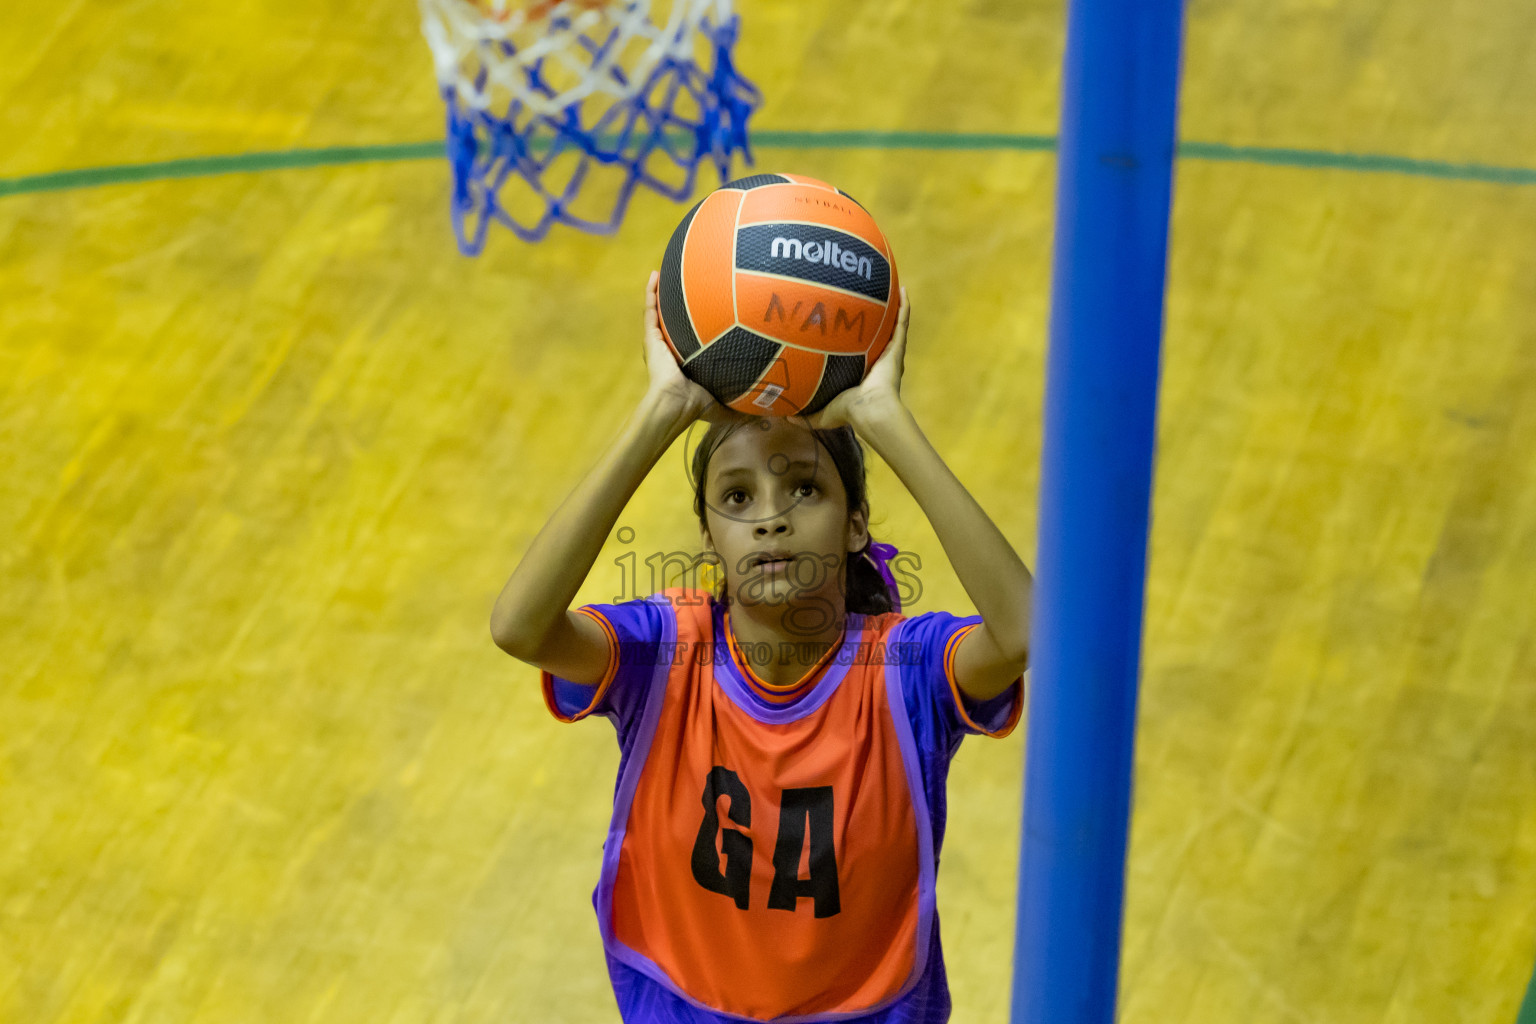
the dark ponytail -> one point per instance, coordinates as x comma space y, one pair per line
864, 588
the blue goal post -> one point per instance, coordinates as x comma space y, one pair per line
1114, 186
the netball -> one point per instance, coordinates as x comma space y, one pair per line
777, 292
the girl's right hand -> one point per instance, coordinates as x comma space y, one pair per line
670, 391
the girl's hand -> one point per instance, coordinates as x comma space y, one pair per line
879, 392
669, 391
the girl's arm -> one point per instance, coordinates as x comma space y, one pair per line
531, 620
994, 576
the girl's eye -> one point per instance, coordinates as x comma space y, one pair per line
729, 495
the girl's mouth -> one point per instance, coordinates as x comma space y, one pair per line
773, 563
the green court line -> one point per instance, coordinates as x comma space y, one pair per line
244, 163
902, 140
204, 166
1528, 1009
1369, 162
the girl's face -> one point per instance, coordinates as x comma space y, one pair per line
777, 515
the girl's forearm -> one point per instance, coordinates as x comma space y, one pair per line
991, 571
558, 560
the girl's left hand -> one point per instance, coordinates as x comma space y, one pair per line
880, 390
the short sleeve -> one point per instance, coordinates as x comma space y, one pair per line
934, 697
634, 630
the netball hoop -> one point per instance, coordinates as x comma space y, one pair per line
546, 92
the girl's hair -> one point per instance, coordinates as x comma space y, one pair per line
864, 587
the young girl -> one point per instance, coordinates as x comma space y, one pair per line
777, 821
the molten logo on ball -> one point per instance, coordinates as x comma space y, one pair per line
828, 252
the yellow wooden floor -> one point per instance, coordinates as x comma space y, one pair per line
269, 447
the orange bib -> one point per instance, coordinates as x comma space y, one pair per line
771, 861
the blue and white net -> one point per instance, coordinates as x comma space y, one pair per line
548, 92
